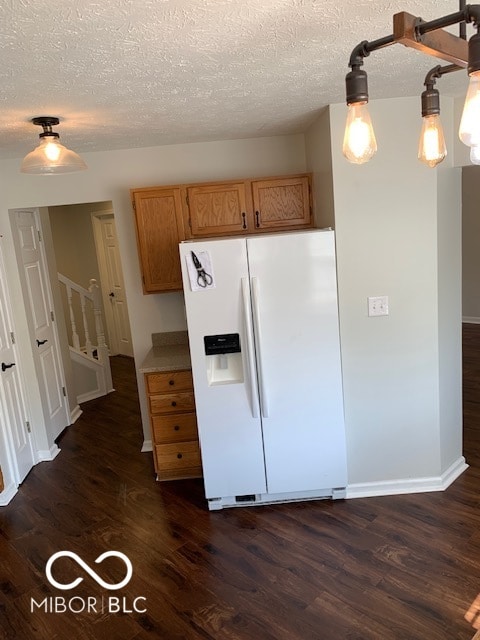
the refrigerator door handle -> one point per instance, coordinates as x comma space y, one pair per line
258, 342
250, 349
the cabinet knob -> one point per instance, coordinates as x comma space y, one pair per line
176, 427
174, 404
179, 456
171, 382
257, 219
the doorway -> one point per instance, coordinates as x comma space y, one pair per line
86, 248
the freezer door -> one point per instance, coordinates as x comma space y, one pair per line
226, 393
294, 296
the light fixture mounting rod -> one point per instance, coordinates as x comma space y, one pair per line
47, 122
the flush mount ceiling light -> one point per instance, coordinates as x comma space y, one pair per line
359, 144
50, 156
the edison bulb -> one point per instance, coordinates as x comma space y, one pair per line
469, 131
431, 148
359, 144
52, 149
475, 155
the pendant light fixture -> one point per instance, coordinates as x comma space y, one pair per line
50, 157
431, 146
428, 37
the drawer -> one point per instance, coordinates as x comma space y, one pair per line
174, 428
172, 402
180, 460
169, 381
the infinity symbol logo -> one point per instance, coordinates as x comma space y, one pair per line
91, 572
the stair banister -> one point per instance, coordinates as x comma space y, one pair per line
102, 348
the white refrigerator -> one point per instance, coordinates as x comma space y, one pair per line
263, 329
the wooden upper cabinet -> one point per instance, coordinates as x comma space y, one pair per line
248, 206
159, 223
216, 209
282, 203
165, 216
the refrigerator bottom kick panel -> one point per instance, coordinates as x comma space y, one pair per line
215, 504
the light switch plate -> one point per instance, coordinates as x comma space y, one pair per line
378, 306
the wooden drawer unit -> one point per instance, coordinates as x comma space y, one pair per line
170, 381
178, 460
174, 428
174, 425
172, 402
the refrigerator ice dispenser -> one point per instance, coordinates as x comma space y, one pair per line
223, 359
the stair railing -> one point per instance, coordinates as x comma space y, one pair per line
88, 304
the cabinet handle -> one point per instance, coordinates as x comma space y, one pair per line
176, 427
257, 217
171, 382
7, 366
244, 225
179, 456
174, 404
40, 342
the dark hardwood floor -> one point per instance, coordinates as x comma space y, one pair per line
403, 567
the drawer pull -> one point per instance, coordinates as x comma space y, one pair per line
171, 382
179, 456
176, 427
174, 404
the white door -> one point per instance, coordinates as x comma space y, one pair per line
38, 302
294, 299
12, 401
113, 288
226, 394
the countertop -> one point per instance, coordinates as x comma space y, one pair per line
169, 352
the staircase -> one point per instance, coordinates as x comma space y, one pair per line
90, 360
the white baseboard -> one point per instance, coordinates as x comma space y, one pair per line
47, 455
7, 494
147, 446
408, 485
471, 320
75, 414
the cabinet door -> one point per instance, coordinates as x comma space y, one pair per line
158, 215
282, 203
217, 209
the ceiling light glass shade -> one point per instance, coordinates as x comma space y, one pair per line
359, 143
431, 147
51, 157
469, 132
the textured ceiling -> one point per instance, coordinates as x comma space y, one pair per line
134, 73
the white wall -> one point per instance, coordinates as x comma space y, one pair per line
74, 242
319, 161
386, 234
110, 176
